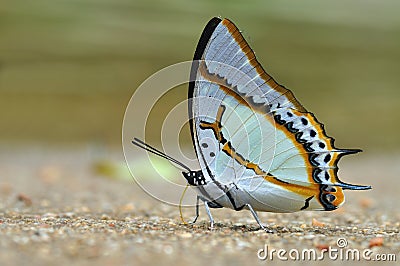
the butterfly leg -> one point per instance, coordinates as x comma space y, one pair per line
209, 214
253, 212
197, 210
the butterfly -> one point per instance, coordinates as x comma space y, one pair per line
258, 148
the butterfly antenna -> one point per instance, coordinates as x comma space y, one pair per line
147, 147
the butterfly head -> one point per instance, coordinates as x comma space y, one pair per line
195, 178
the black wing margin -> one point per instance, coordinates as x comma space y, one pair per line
201, 46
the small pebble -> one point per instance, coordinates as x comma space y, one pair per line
317, 223
366, 203
25, 199
322, 247
309, 236
376, 242
185, 235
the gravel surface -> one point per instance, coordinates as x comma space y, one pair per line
55, 209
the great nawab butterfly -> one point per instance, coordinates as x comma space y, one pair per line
257, 146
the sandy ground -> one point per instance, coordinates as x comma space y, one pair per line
54, 209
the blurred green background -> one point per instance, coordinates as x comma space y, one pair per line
69, 67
